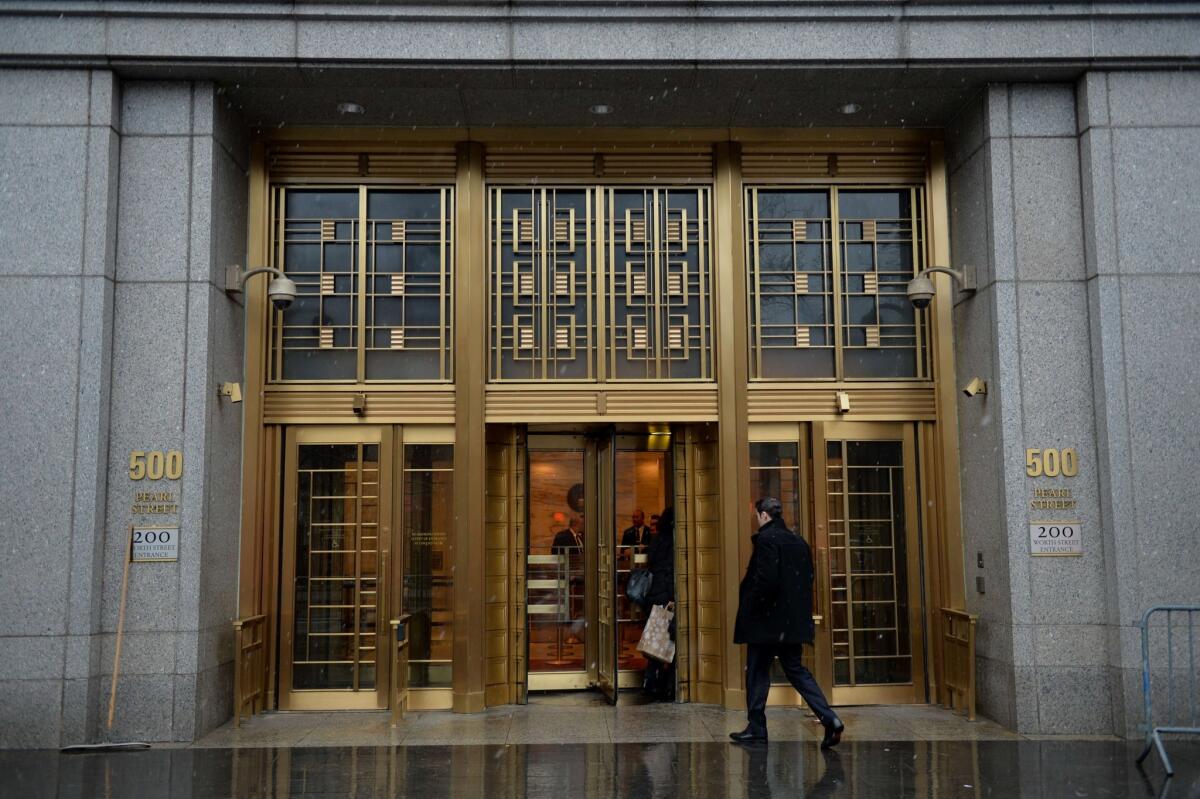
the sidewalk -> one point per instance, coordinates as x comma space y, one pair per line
555, 721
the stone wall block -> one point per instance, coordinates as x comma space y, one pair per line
1157, 177
1049, 239
1166, 98
103, 181
1098, 202
30, 97
42, 171
1162, 376
31, 714
1002, 245
966, 133
1091, 101
153, 219
91, 454
39, 340
156, 108
1043, 109
105, 102
1074, 700
144, 708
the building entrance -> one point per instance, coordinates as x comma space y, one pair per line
594, 502
366, 519
850, 488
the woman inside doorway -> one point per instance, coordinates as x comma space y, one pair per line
660, 560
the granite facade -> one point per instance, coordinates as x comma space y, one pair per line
1072, 191
1088, 273
115, 338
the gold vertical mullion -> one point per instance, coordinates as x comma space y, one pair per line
914, 566
654, 235
361, 333
610, 242
844, 453
835, 220
755, 298
922, 349
358, 548
594, 227
443, 308
703, 270
541, 299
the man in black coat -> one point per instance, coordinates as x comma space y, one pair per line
774, 620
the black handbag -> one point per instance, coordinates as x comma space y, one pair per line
638, 587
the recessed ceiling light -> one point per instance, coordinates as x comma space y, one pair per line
601, 109
351, 108
850, 108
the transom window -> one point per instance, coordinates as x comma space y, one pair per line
373, 269
595, 284
827, 271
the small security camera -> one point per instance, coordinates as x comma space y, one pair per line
976, 386
920, 292
281, 291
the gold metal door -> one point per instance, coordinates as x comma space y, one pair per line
560, 529
606, 570
336, 534
868, 560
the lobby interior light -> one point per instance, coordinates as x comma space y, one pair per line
849, 108
348, 109
601, 109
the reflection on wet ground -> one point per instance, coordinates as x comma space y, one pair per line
1007, 768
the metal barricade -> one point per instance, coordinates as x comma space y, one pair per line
958, 659
249, 666
1170, 714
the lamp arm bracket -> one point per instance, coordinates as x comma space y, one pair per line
964, 276
235, 278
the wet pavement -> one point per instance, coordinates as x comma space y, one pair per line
573, 746
1011, 768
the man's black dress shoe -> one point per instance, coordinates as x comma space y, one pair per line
748, 736
833, 734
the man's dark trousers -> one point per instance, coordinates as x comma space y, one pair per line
758, 681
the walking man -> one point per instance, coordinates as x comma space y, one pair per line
774, 620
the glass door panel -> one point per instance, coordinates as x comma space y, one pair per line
554, 569
334, 565
643, 488
428, 562
866, 481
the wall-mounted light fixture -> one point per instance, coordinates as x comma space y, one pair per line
231, 390
921, 289
281, 290
976, 386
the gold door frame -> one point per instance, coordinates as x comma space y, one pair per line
604, 545
906, 693
335, 699
468, 159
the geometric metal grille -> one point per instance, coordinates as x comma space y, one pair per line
374, 274
336, 595
879, 236
596, 284
542, 280
659, 284
868, 563
790, 269
827, 269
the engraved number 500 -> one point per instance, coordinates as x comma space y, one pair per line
1051, 462
155, 465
